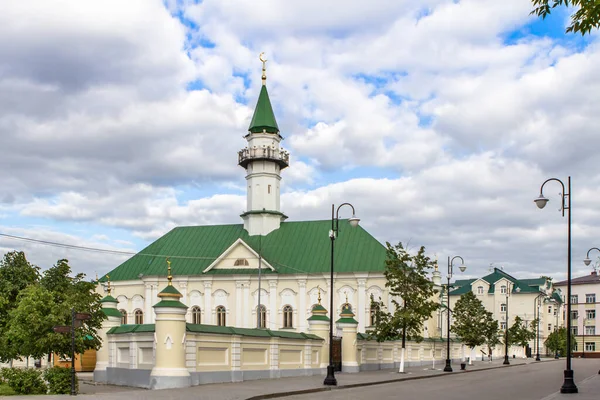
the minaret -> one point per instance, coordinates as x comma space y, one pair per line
263, 160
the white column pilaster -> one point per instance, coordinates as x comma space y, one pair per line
362, 307
302, 306
147, 305
273, 323
239, 312
208, 311
247, 305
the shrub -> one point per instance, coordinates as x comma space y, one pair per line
59, 380
25, 381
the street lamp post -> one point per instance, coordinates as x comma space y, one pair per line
463, 267
569, 382
556, 328
330, 378
587, 261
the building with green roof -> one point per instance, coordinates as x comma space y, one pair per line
526, 298
265, 271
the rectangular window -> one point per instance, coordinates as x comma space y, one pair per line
269, 189
549, 309
574, 330
590, 330
549, 327
574, 315
502, 307
479, 289
502, 325
503, 289
590, 314
590, 298
590, 346
574, 299
555, 311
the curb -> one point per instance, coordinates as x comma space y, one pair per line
355, 385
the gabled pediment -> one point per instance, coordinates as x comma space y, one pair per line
238, 256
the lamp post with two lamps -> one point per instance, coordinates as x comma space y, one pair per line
335, 223
568, 385
462, 267
508, 291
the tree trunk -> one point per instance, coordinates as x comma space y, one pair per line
462, 352
402, 351
472, 353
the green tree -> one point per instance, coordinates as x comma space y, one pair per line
586, 18
491, 332
407, 278
49, 303
16, 274
557, 341
520, 334
470, 319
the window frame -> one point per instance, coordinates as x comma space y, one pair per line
479, 289
123, 317
221, 312
574, 299
590, 314
138, 315
196, 313
288, 317
590, 298
262, 309
503, 289
590, 346
503, 307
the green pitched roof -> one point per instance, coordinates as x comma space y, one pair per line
111, 312
296, 247
524, 285
109, 299
263, 118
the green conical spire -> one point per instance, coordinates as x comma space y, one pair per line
263, 118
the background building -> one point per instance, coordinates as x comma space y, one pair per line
585, 295
523, 297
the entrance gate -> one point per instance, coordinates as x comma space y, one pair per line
337, 353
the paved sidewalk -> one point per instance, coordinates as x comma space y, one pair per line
271, 388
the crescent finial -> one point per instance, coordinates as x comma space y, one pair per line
262, 58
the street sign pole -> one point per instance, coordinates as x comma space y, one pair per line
73, 352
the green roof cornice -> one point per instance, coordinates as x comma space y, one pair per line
170, 291
347, 320
111, 312
317, 317
263, 118
109, 299
170, 303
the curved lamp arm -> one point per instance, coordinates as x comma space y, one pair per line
451, 263
541, 200
587, 259
336, 217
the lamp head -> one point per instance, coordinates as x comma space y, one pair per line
518, 289
541, 201
462, 267
354, 221
587, 261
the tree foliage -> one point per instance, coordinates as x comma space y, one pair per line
557, 341
407, 279
520, 334
472, 322
41, 304
586, 18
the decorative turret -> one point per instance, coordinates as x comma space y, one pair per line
169, 369
318, 324
263, 160
349, 327
437, 275
113, 318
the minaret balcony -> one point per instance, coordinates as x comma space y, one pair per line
247, 155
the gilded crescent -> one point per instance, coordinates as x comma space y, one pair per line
261, 57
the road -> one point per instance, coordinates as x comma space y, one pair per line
530, 382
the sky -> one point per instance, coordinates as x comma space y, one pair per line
438, 120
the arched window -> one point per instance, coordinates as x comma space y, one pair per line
262, 319
139, 316
196, 313
221, 312
123, 317
288, 313
241, 262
